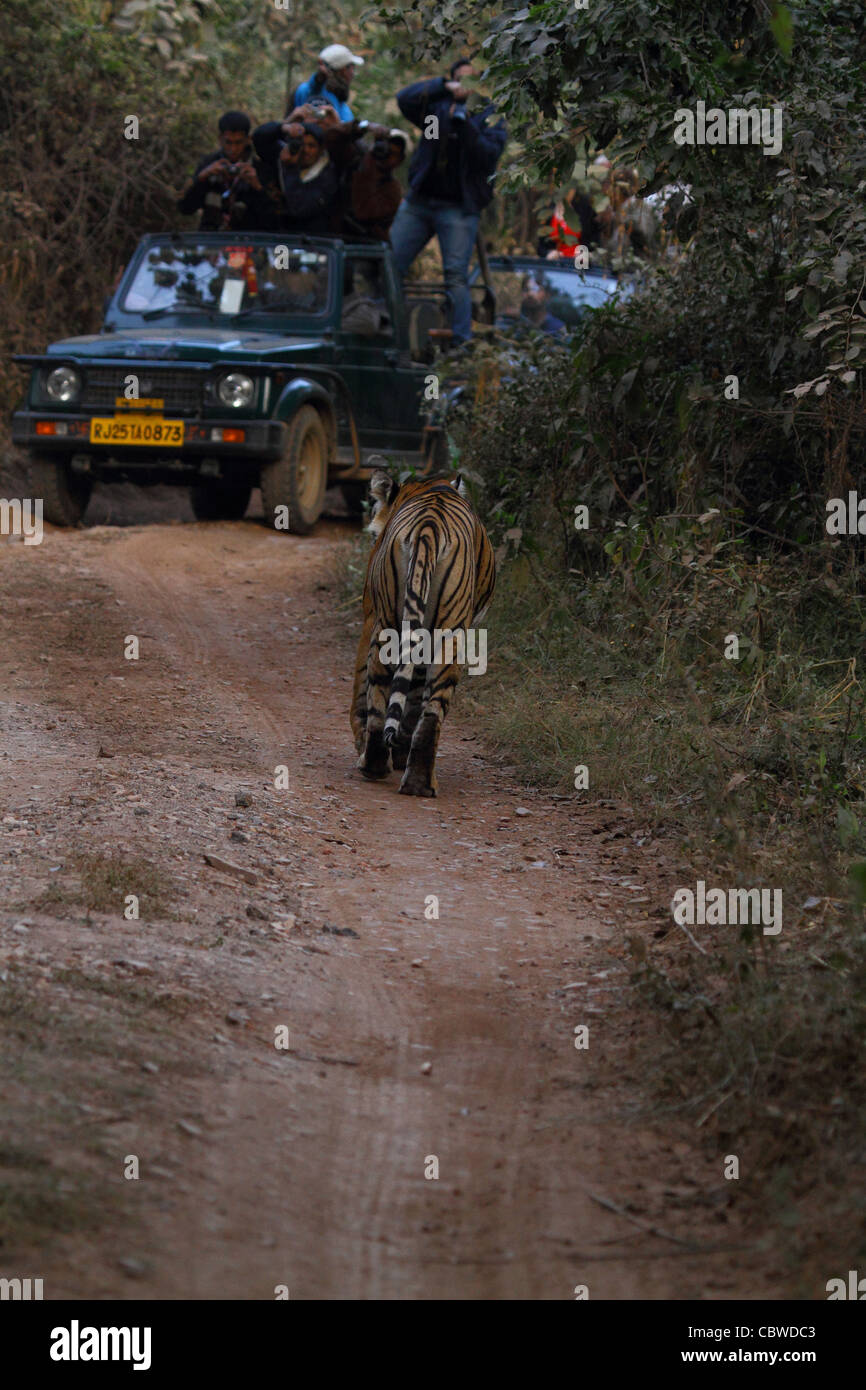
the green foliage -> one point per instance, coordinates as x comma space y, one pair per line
707, 509
784, 237
639, 412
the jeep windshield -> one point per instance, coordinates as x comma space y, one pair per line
526, 293
229, 280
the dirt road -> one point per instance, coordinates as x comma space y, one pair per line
413, 1041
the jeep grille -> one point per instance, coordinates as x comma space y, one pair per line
180, 390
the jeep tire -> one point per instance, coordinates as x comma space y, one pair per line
299, 478
64, 494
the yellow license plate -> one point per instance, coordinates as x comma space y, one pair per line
122, 430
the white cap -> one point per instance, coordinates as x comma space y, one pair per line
337, 56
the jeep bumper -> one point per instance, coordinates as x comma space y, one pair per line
261, 440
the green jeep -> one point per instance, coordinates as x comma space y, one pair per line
230, 360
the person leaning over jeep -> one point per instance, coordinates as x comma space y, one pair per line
227, 187
294, 153
365, 157
374, 193
449, 181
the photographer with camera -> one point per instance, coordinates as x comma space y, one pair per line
330, 84
374, 194
449, 180
294, 154
227, 187
320, 113
365, 157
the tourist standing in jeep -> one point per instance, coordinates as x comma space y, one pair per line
293, 153
449, 181
227, 186
331, 82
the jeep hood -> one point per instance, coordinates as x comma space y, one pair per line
187, 344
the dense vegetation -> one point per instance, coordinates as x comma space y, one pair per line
707, 509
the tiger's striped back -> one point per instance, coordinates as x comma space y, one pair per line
432, 568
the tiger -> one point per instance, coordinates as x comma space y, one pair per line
431, 567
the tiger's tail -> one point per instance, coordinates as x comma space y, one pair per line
419, 579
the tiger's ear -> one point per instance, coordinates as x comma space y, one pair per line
383, 488
458, 482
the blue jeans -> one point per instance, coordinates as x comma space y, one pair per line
416, 222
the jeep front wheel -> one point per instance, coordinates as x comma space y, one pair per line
65, 494
298, 479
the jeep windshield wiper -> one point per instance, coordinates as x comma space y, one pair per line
197, 304
273, 309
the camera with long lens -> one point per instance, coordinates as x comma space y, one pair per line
294, 144
380, 148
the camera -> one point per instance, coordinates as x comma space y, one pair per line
232, 170
380, 148
294, 144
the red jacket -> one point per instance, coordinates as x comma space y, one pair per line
559, 230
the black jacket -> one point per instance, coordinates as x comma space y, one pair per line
480, 144
307, 206
250, 208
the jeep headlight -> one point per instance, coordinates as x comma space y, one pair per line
63, 384
236, 390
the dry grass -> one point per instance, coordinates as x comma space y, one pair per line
754, 776
102, 882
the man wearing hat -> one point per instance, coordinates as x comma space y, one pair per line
332, 81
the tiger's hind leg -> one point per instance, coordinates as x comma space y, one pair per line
419, 779
411, 714
375, 759
359, 710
